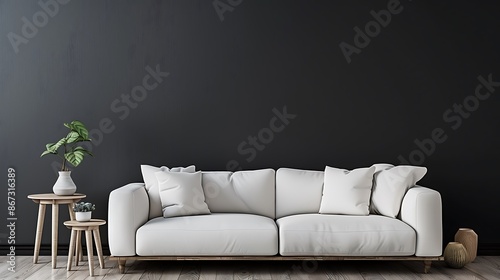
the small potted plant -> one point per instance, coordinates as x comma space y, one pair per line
83, 211
71, 153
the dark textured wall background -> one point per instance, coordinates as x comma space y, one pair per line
227, 76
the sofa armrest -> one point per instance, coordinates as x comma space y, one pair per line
422, 210
128, 210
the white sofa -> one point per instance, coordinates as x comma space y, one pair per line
264, 214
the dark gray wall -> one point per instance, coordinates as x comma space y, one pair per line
227, 76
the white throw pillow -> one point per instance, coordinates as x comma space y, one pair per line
390, 184
181, 194
347, 192
151, 183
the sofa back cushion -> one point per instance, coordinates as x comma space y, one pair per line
151, 185
181, 194
249, 192
347, 192
298, 191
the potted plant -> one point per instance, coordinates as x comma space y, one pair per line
83, 211
70, 152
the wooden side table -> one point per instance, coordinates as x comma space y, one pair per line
90, 227
54, 200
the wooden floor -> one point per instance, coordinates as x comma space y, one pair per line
482, 268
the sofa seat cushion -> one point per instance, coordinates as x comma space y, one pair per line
339, 235
219, 234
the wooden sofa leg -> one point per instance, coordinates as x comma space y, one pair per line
427, 266
121, 265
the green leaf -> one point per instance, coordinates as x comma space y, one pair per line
79, 128
72, 137
56, 146
80, 139
78, 133
83, 150
47, 152
74, 157
50, 149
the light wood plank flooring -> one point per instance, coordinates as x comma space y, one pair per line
482, 268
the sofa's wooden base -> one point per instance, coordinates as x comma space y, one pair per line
122, 260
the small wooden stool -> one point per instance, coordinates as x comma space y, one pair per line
89, 227
43, 200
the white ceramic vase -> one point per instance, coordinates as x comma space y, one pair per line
64, 184
83, 216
